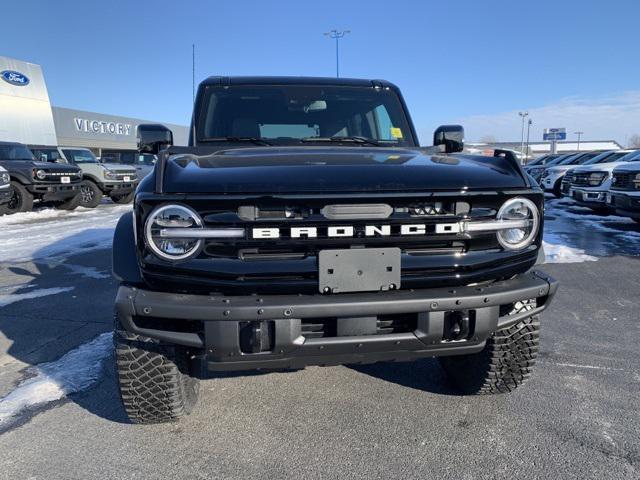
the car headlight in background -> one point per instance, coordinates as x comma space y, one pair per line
41, 174
162, 226
524, 213
109, 175
596, 178
4, 178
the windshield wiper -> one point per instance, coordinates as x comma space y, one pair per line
352, 139
254, 140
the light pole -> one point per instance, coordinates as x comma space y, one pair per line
579, 135
523, 115
337, 35
528, 132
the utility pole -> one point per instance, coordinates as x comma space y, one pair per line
523, 115
579, 135
528, 132
337, 35
193, 73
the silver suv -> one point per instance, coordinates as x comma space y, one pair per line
99, 179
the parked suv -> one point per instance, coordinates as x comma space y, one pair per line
590, 183
624, 196
118, 182
552, 177
304, 225
609, 157
5, 186
32, 180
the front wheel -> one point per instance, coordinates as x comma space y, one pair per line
123, 199
90, 195
20, 201
155, 378
503, 365
69, 204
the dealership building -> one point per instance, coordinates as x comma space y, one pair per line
27, 116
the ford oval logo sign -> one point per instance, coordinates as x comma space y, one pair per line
14, 78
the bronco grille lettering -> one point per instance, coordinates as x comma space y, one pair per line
339, 231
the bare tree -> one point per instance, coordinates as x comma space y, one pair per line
488, 139
634, 141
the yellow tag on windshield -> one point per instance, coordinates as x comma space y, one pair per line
396, 132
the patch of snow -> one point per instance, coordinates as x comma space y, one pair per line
87, 272
555, 253
53, 233
74, 372
7, 299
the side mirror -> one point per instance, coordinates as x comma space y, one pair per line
152, 138
451, 136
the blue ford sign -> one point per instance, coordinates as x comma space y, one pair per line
14, 78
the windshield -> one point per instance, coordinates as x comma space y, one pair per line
47, 154
538, 161
607, 157
15, 152
558, 160
579, 159
147, 159
290, 114
80, 156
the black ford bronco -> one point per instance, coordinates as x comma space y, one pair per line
32, 180
304, 226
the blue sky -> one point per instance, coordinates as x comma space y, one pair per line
573, 64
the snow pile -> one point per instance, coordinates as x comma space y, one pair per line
76, 371
555, 253
57, 233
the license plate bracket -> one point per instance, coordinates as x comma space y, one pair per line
359, 270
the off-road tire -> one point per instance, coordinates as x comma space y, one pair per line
69, 204
90, 194
123, 199
22, 200
503, 365
154, 378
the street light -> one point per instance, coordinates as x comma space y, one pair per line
528, 132
337, 35
579, 135
523, 115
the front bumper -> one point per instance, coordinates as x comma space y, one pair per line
589, 197
624, 204
55, 192
119, 188
219, 321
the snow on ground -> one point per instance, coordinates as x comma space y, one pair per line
51, 233
9, 298
555, 253
76, 371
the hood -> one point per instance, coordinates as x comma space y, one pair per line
560, 168
628, 167
599, 167
116, 167
49, 166
335, 169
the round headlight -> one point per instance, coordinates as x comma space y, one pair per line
41, 174
167, 232
525, 211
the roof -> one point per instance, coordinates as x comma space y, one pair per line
264, 80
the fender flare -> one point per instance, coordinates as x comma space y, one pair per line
124, 256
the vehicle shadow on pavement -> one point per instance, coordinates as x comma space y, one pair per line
52, 306
425, 375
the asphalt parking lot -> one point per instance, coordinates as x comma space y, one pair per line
577, 417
